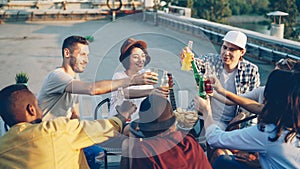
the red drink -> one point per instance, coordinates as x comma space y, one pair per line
207, 84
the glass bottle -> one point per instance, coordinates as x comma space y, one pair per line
164, 81
186, 63
199, 80
201, 89
207, 76
197, 74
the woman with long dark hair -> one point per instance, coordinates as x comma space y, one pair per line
274, 138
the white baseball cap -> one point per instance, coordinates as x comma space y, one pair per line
237, 38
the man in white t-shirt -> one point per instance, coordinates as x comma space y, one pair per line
234, 72
253, 101
59, 93
236, 75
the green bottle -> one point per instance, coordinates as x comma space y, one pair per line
201, 91
197, 75
199, 80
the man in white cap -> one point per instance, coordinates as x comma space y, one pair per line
234, 72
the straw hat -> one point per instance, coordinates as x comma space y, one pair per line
127, 44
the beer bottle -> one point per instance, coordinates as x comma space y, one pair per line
197, 74
201, 89
199, 80
207, 76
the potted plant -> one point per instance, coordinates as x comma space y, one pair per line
89, 38
22, 78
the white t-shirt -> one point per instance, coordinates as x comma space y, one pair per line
222, 113
53, 99
136, 101
256, 94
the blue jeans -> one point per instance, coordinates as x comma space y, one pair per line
94, 156
229, 162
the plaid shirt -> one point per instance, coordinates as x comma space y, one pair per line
246, 78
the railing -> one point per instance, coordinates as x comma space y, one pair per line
180, 11
260, 46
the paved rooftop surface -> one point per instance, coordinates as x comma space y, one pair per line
35, 48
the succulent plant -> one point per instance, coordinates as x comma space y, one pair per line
90, 38
21, 77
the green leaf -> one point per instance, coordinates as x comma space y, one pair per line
21, 77
89, 38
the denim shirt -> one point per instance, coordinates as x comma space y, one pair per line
278, 154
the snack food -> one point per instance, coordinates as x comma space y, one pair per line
186, 119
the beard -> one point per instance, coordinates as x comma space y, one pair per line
75, 65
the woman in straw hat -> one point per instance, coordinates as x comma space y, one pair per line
134, 57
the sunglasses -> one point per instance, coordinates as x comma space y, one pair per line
286, 62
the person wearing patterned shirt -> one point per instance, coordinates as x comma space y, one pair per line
236, 75
234, 72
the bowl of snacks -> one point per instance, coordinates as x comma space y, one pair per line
186, 119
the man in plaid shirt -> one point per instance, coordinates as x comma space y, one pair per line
234, 72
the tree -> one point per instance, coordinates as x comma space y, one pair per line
189, 4
259, 6
290, 7
212, 10
240, 7
298, 5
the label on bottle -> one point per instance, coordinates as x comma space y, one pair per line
186, 63
201, 90
164, 80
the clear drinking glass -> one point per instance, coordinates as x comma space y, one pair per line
164, 81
